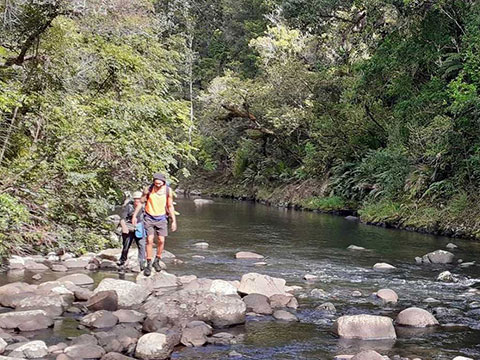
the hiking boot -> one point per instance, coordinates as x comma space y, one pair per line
148, 269
142, 265
120, 262
156, 265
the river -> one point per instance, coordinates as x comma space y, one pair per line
296, 243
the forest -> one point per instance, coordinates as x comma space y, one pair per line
365, 106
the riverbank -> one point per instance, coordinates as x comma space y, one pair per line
457, 218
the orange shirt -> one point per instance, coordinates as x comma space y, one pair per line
157, 202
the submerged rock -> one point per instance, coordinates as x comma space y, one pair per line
201, 245
365, 327
383, 266
415, 317
200, 202
310, 277
248, 255
451, 246
327, 307
253, 283
284, 315
446, 276
356, 248
439, 257
387, 296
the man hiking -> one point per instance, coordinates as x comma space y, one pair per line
158, 199
133, 232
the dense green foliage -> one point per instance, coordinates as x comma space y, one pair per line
366, 104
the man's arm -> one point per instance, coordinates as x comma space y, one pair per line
143, 200
171, 210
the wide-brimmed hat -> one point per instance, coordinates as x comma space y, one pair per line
137, 195
159, 176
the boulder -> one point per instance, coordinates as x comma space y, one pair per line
387, 296
3, 345
103, 300
11, 294
281, 301
257, 303
129, 316
59, 268
31, 350
35, 266
355, 248
78, 263
451, 246
201, 245
185, 279
222, 287
253, 283
184, 305
195, 333
415, 317
439, 257
445, 276
284, 315
248, 255
15, 319
129, 294
77, 279
84, 351
53, 305
383, 266
85, 339
356, 293
110, 254
158, 280
82, 294
327, 307
319, 294
156, 346
310, 277
167, 255
364, 327
99, 319
116, 356
16, 263
368, 355
201, 284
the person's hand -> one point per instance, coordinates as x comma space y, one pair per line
174, 226
134, 221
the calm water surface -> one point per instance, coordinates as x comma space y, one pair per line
295, 243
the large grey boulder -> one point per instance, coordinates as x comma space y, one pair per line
364, 327
257, 303
130, 295
195, 333
77, 279
156, 345
158, 280
222, 287
254, 283
11, 294
15, 319
52, 305
415, 317
99, 319
184, 305
84, 351
103, 300
31, 350
438, 257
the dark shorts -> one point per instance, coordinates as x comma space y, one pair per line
155, 226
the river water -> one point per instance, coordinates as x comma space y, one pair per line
296, 243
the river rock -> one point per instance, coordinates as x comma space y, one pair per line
356, 248
387, 296
445, 276
185, 279
451, 246
310, 277
281, 301
253, 283
116, 356
183, 306
352, 218
200, 202
158, 280
222, 287
84, 351
103, 300
77, 279
3, 345
110, 254
16, 263
10, 294
82, 294
67, 256
201, 284
258, 304
201, 245
318, 293
167, 255
78, 263
52, 305
284, 315
156, 346
365, 327
461, 358
34, 266
59, 268
327, 307
368, 355
15, 319
415, 317
248, 255
129, 294
195, 333
129, 316
31, 350
439, 257
383, 266
99, 319
85, 339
